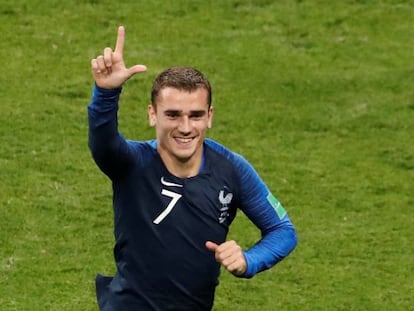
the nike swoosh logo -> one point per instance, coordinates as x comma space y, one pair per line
169, 184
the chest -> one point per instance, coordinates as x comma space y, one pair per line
161, 202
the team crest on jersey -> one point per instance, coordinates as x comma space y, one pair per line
225, 200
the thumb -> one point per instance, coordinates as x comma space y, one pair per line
135, 69
211, 246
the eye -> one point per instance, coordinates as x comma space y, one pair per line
197, 115
172, 114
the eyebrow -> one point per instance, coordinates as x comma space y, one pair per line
179, 112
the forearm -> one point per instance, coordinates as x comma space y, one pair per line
104, 139
102, 114
272, 248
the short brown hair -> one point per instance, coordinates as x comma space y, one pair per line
181, 78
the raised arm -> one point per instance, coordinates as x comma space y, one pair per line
109, 149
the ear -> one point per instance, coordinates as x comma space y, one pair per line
210, 117
152, 116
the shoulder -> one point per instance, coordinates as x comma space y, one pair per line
221, 150
234, 158
225, 159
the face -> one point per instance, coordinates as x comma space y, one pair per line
181, 120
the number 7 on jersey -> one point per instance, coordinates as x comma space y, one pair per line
174, 199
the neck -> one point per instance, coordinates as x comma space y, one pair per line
183, 168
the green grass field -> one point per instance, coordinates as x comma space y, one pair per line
318, 95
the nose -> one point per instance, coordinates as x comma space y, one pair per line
184, 127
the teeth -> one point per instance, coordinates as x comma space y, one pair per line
184, 140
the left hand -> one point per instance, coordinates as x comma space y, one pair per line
229, 254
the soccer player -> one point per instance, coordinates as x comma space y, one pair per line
175, 196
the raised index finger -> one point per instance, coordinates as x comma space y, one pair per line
120, 40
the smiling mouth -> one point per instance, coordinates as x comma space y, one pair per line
184, 140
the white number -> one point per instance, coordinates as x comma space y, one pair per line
174, 199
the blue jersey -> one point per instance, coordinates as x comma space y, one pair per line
162, 222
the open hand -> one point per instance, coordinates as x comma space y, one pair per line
230, 255
109, 69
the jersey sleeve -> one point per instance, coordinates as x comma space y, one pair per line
109, 149
265, 211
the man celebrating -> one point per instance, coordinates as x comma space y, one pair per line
175, 196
